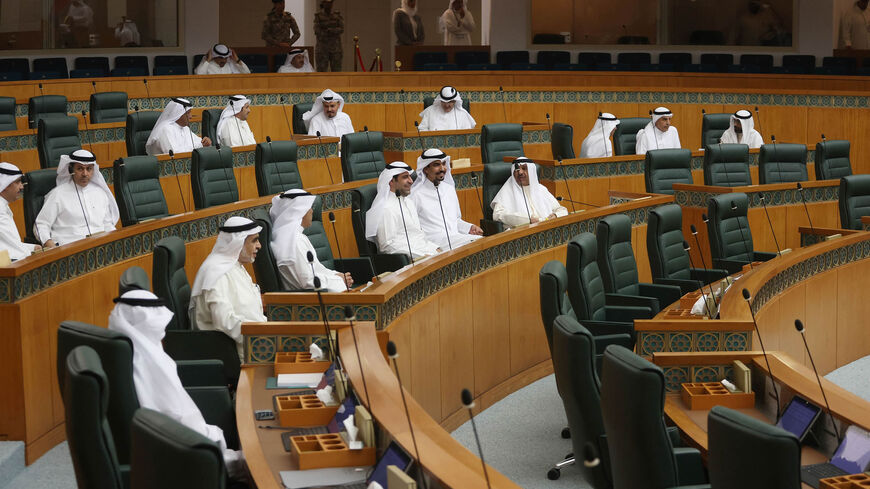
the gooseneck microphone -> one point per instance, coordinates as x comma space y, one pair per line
371, 153
148, 92
561, 199
799, 326
770, 223
351, 317
417, 127
404, 115
503, 108
405, 225
565, 180
41, 91
177, 179
700, 284
325, 161
81, 205
217, 146
694, 231
800, 189
286, 120
749, 254
277, 164
758, 118
468, 402
443, 217
523, 193
474, 181
87, 131
337, 244
778, 166
590, 457
317, 285
746, 296
393, 354
94, 89
824, 139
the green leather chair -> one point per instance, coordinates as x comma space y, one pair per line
45, 107
37, 184
729, 233
712, 127
133, 278
137, 189
494, 177
362, 155
640, 447
88, 432
210, 119
619, 269
727, 165
275, 167
56, 136
625, 137
299, 124
562, 141
746, 453
139, 126
361, 202
669, 261
832, 160
108, 107
500, 140
361, 269
782, 162
429, 100
662, 168
7, 114
211, 177
265, 264
854, 200
553, 284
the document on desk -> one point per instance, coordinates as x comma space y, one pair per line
292, 381
331, 477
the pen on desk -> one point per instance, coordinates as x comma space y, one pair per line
266, 427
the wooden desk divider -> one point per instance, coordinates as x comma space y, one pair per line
328, 450
688, 301
682, 314
854, 481
288, 362
705, 395
304, 411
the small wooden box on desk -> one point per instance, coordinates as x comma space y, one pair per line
288, 362
854, 481
328, 450
303, 411
705, 395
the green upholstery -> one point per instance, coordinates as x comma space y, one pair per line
854, 200
494, 177
275, 167
7, 114
625, 136
45, 107
729, 232
361, 269
212, 178
746, 453
88, 432
782, 162
138, 190
108, 107
361, 202
712, 127
265, 265
168, 455
362, 155
553, 283
429, 100
37, 184
662, 168
727, 165
133, 278
299, 124
210, 118
640, 447
500, 140
56, 136
562, 141
139, 125
832, 160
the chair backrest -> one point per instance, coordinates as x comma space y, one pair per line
832, 159
53, 65
664, 243
86, 402
265, 265
633, 58
173, 61
133, 278
139, 126
728, 229
55, 137
7, 114
500, 140
799, 63
727, 165
764, 62
275, 167
168, 455
362, 155
507, 58
718, 59
750, 454
210, 118
662, 168
37, 184
137, 189
625, 136
782, 162
553, 284
677, 60
17, 66
593, 60
562, 141
45, 106
361, 202
212, 178
132, 62
465, 58
494, 177
169, 280
429, 100
299, 124
552, 58
854, 200
108, 107
316, 234
712, 127
585, 285
615, 256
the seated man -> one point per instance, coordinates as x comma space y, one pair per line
597, 143
446, 113
232, 128
392, 221
223, 295
10, 191
291, 213
172, 131
658, 133
742, 131
221, 60
143, 317
326, 116
434, 195
80, 205
297, 62
522, 199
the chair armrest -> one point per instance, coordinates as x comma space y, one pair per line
666, 294
763, 255
684, 284
732, 266
625, 300
626, 314
708, 276
491, 227
125, 476
201, 373
603, 341
607, 328
674, 435
205, 345
385, 262
217, 409
690, 468
361, 269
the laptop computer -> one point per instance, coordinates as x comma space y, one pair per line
799, 417
851, 457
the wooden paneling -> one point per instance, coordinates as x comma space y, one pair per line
425, 336
528, 341
456, 346
491, 326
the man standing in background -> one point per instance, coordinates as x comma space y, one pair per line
328, 27
855, 27
279, 27
457, 24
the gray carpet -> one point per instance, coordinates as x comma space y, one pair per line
853, 377
54, 470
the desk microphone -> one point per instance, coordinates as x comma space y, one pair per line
277, 164
87, 132
758, 117
338, 245
94, 88
746, 296
177, 179
286, 120
769, 223
778, 165
371, 153
404, 115
217, 146
749, 253
824, 139
694, 231
405, 225
800, 189
393, 354
326, 328
417, 127
500, 92
522, 192
41, 91
700, 284
468, 402
351, 317
147, 91
443, 217
474, 181
560, 199
799, 326
590, 457
325, 161
565, 178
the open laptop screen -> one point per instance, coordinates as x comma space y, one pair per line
853, 455
393, 455
799, 417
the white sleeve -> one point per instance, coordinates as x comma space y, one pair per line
846, 28
314, 126
510, 219
640, 146
468, 22
46, 218
202, 68
424, 122
677, 134
223, 316
242, 67
462, 226
390, 238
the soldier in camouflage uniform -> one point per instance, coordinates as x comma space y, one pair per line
279, 27
328, 27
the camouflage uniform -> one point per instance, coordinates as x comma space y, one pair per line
328, 28
278, 28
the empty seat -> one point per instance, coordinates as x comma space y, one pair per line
721, 62
465, 58
175, 61
798, 63
665, 167
257, 63
729, 233
44, 107
108, 107
429, 57
507, 58
552, 58
727, 165
19, 67
634, 58
275, 167
7, 114
100, 63
594, 61
55, 137
854, 200
763, 62
125, 62
712, 127
362, 155
212, 178
562, 141
834, 65
675, 61
500, 140
137, 189
832, 160
131, 71
139, 125
625, 136
51, 65
781, 163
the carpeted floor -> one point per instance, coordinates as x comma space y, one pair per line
853, 377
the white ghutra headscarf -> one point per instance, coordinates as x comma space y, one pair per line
173, 111
327, 96
287, 212
85, 157
376, 211
597, 143
234, 105
511, 197
229, 245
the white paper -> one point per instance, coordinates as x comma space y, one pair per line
300, 479
316, 352
286, 381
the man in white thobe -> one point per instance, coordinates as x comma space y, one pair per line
597, 143
522, 199
223, 295
434, 195
10, 191
855, 26
658, 133
457, 24
297, 62
142, 317
742, 131
80, 205
232, 127
172, 131
327, 117
446, 113
392, 222
291, 213
221, 60
127, 33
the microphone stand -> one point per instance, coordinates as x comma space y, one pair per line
799, 326
443, 217
503, 108
778, 166
405, 225
404, 115
468, 402
177, 180
393, 354
567, 187
694, 231
351, 317
769, 223
325, 161
81, 205
87, 131
701, 284
474, 180
277, 164
757, 116
523, 193
801, 193
286, 120
746, 297
337, 244
749, 253
560, 199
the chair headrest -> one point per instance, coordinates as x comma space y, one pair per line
720, 205
669, 216
588, 247
615, 228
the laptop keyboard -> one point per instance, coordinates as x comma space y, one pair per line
811, 474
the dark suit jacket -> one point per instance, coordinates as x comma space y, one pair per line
405, 31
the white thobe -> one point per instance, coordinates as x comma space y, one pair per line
127, 35
457, 32
391, 236
754, 140
336, 127
855, 28
656, 139
517, 217
61, 217
296, 273
206, 67
180, 139
10, 240
432, 221
233, 300
235, 132
435, 119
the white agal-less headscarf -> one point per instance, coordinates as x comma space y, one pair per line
511, 197
751, 137
375, 213
410, 12
9, 173
85, 157
174, 109
433, 118
289, 68
327, 96
234, 105
230, 243
427, 158
597, 143
650, 137
287, 212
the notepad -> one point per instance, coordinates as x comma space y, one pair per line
298, 381
337, 476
